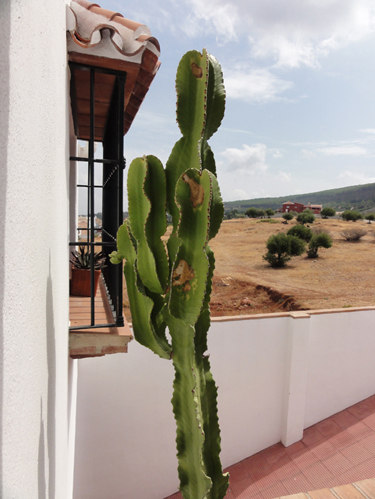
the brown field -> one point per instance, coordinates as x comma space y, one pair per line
342, 276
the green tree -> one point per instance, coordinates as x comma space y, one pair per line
370, 217
281, 248
306, 217
251, 212
261, 213
270, 213
327, 212
304, 233
288, 216
317, 241
351, 215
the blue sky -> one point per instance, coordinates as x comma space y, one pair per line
300, 82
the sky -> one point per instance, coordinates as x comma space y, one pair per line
300, 86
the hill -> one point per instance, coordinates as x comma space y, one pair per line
358, 197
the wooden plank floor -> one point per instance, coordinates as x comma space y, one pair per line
95, 342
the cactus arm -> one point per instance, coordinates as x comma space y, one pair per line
141, 305
216, 208
141, 217
188, 279
215, 100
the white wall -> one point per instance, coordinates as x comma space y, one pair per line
276, 376
33, 250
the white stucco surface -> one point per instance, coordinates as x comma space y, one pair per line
275, 376
34, 251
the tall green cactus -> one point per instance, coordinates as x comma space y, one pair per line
171, 288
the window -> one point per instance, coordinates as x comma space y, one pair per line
97, 97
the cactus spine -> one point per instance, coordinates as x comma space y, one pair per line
171, 288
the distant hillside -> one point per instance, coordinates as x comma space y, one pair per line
359, 197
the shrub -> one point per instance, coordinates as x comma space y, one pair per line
353, 234
261, 213
281, 248
306, 217
270, 212
321, 240
288, 216
327, 212
300, 231
351, 215
251, 212
370, 217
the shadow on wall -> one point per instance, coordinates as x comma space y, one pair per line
47, 466
4, 121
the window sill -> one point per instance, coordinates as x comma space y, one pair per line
95, 342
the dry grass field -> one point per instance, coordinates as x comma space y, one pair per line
342, 276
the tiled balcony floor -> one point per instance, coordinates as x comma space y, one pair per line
337, 451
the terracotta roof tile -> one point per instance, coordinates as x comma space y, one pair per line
106, 39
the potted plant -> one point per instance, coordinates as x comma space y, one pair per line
81, 271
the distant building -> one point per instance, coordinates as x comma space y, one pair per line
299, 207
290, 206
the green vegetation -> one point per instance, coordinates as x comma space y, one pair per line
255, 213
281, 248
306, 217
270, 213
288, 216
370, 217
304, 233
170, 286
327, 212
351, 215
317, 241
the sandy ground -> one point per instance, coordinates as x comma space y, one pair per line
342, 276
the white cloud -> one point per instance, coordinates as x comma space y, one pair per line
256, 85
343, 150
308, 154
370, 131
284, 177
293, 33
355, 178
250, 159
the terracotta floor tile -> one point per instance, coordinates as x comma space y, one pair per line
304, 459
337, 464
295, 448
311, 436
343, 439
328, 427
297, 484
369, 421
288, 470
356, 453
274, 453
246, 485
362, 409
277, 490
319, 476
344, 419
369, 443
360, 430
324, 450
238, 471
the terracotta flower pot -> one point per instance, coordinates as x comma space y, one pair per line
81, 282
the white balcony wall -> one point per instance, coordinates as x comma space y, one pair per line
34, 388
276, 376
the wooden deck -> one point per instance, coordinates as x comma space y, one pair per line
95, 342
